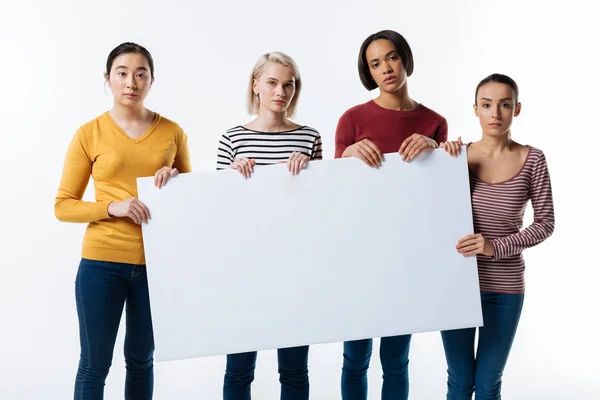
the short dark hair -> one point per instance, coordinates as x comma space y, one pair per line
499, 78
129, 47
402, 48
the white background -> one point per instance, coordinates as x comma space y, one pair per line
52, 58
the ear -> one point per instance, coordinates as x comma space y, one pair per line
106, 78
254, 84
518, 109
475, 110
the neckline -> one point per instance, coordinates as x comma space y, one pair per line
144, 135
506, 180
272, 133
396, 113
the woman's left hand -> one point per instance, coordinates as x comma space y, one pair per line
475, 244
161, 177
415, 145
296, 162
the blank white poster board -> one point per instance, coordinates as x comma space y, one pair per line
339, 252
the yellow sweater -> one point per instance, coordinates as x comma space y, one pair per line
102, 150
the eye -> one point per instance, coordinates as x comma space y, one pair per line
142, 75
393, 58
290, 85
122, 73
374, 65
506, 105
485, 105
271, 83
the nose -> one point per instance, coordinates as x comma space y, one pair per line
496, 112
131, 81
279, 91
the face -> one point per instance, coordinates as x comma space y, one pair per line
385, 65
496, 106
130, 79
275, 87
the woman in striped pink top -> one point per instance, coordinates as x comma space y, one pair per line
504, 176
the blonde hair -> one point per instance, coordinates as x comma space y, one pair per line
273, 57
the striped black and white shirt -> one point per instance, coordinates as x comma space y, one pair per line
267, 147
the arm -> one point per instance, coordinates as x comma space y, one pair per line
182, 159
344, 135
441, 135
225, 154
68, 205
540, 190
317, 153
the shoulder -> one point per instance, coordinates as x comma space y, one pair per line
358, 109
307, 130
535, 155
429, 114
168, 124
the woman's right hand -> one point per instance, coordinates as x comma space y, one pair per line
366, 151
131, 208
244, 165
452, 148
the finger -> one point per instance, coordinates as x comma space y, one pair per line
473, 253
467, 242
473, 248
246, 169
375, 155
460, 143
140, 212
468, 237
134, 215
412, 142
405, 144
146, 210
378, 154
366, 156
415, 150
174, 172
162, 180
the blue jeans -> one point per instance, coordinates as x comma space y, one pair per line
482, 373
393, 352
293, 374
101, 290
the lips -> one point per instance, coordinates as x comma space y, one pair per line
389, 79
130, 95
495, 124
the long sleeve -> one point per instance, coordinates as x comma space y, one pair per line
69, 206
182, 157
225, 154
344, 134
317, 153
442, 133
540, 191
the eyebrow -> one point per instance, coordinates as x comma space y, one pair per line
375, 59
291, 80
138, 68
504, 99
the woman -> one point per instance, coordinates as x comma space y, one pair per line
504, 176
122, 144
271, 138
393, 122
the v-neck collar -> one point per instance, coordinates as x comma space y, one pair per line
147, 133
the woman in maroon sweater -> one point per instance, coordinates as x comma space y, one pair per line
504, 176
393, 122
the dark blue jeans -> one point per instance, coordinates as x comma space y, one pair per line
482, 373
393, 352
101, 290
293, 374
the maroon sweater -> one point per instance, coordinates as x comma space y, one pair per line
387, 129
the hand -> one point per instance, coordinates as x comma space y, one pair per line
366, 151
244, 165
452, 148
132, 208
296, 162
414, 145
161, 177
475, 244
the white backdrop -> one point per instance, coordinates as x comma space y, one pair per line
52, 58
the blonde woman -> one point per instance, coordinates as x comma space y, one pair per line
271, 138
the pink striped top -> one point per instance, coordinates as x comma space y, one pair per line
498, 215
